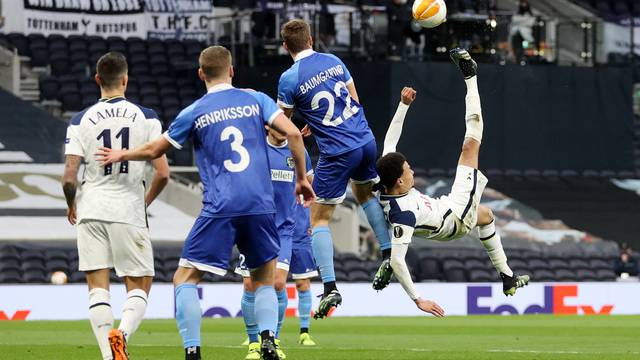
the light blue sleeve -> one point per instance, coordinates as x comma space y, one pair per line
269, 108
308, 161
181, 127
286, 90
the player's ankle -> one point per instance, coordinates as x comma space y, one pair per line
304, 330
386, 253
329, 286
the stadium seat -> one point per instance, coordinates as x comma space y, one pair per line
78, 69
48, 88
58, 43
97, 44
77, 43
20, 42
451, 264
359, 276
542, 275
35, 276
79, 57
9, 264
455, 275
155, 47
600, 264
77, 277
579, 264
565, 275
586, 275
57, 265
353, 265
341, 276
59, 61
167, 91
606, 275
72, 101
537, 264
481, 276
475, 264
39, 57
37, 41
557, 264
10, 277
117, 44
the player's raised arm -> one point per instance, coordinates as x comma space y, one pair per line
395, 127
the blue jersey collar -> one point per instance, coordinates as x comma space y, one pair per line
303, 54
219, 87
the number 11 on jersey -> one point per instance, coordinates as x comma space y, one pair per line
123, 135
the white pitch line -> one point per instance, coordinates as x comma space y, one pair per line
556, 352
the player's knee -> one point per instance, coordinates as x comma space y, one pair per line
485, 215
303, 285
280, 285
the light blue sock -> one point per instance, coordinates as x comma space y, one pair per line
266, 309
188, 314
304, 308
375, 216
283, 301
322, 245
249, 314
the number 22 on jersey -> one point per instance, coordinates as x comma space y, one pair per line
348, 111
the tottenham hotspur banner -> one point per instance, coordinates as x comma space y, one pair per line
124, 18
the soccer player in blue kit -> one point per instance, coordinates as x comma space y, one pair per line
227, 129
296, 256
320, 87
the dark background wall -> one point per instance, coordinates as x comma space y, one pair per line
536, 117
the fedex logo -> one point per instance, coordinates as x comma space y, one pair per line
18, 315
554, 302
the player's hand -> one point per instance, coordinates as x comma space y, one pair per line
305, 190
306, 131
106, 156
407, 95
429, 307
71, 215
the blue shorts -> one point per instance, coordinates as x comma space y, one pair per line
303, 265
284, 256
332, 173
210, 242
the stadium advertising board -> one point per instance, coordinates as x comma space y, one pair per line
69, 302
164, 19
617, 37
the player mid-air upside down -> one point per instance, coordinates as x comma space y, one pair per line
446, 218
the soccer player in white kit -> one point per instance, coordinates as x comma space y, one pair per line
449, 217
110, 212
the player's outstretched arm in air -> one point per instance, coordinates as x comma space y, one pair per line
283, 125
407, 95
399, 247
149, 151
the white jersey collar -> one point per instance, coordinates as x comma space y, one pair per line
277, 146
303, 54
219, 87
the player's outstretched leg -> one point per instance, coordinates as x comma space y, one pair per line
304, 311
492, 243
188, 312
322, 244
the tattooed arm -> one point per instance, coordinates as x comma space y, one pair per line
70, 185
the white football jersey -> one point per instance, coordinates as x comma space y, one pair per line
417, 214
113, 193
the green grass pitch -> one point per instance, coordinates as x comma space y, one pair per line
476, 337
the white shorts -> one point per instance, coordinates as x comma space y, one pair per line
466, 193
106, 245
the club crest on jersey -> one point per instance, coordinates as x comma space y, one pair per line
397, 232
290, 163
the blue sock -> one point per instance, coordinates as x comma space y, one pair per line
375, 215
322, 244
304, 308
188, 314
266, 309
249, 314
283, 301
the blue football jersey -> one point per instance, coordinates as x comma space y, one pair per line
284, 187
316, 85
227, 129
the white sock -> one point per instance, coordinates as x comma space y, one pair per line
473, 110
133, 312
101, 318
491, 241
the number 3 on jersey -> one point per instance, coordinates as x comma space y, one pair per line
236, 146
348, 111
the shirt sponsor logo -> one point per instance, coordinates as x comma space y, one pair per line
281, 175
290, 163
